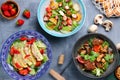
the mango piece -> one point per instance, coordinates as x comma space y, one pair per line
53, 20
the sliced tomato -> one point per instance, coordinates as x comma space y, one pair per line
14, 51
96, 48
24, 72
80, 60
38, 63
26, 56
31, 41
17, 65
42, 51
48, 9
23, 38
69, 21
49, 14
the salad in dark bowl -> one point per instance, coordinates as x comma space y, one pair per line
95, 56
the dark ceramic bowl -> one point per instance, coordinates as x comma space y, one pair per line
5, 51
112, 66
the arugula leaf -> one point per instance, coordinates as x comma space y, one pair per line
108, 57
9, 59
106, 65
59, 0
97, 71
105, 44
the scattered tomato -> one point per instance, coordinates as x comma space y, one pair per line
96, 48
42, 51
38, 63
17, 65
24, 72
23, 38
48, 9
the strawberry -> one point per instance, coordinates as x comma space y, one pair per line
13, 11
10, 7
7, 13
26, 13
4, 7
20, 22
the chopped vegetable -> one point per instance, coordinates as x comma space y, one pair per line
108, 57
94, 56
27, 54
60, 11
97, 71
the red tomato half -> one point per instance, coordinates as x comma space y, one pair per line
24, 72
48, 9
38, 63
23, 38
96, 48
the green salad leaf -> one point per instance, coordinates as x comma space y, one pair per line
105, 44
108, 57
97, 71
9, 59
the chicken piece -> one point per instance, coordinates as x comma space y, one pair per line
18, 59
27, 51
104, 50
26, 60
36, 52
99, 58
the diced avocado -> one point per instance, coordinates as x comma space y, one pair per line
45, 58
9, 59
32, 72
66, 29
18, 44
40, 44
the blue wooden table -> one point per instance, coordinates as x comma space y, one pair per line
59, 45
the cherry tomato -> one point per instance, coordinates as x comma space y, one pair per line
27, 56
17, 65
24, 72
38, 63
31, 41
23, 38
48, 9
69, 21
14, 51
42, 51
96, 48
49, 14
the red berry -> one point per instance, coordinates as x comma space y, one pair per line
26, 13
20, 22
5, 7
10, 7
7, 13
13, 11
